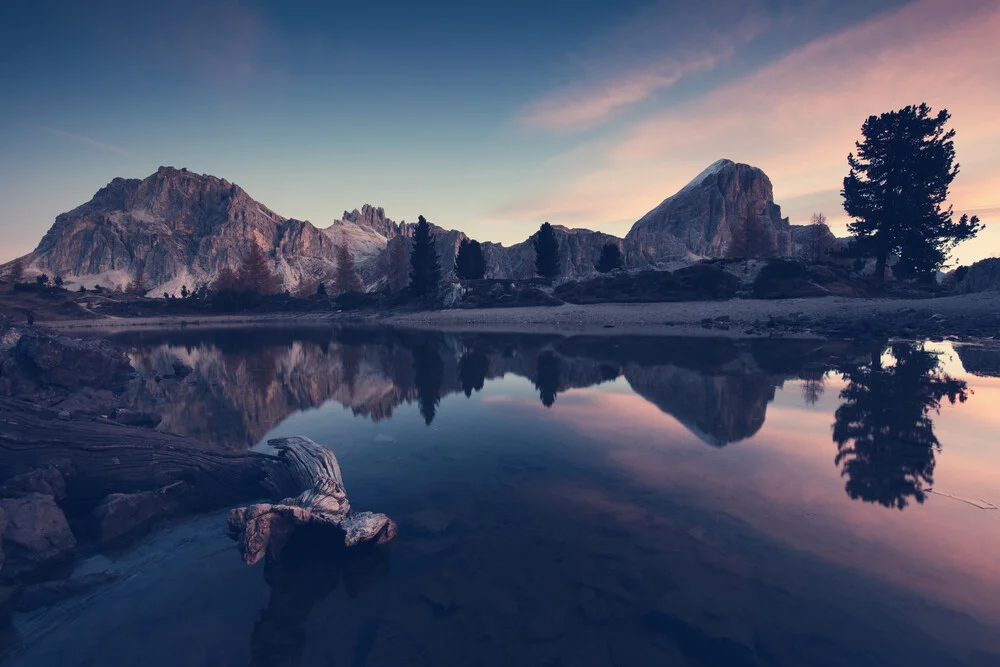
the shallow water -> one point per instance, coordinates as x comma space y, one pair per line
572, 501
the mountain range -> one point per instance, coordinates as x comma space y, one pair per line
182, 228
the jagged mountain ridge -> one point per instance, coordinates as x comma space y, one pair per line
179, 227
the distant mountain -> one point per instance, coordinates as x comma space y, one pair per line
182, 228
703, 217
179, 228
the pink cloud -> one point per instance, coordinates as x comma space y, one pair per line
583, 106
798, 117
632, 64
79, 138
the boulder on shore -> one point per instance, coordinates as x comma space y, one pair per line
36, 533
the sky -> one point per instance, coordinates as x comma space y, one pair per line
489, 117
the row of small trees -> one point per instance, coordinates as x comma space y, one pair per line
470, 261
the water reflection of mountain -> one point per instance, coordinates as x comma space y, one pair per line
981, 360
230, 387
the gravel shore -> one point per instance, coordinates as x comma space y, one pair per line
961, 315
967, 315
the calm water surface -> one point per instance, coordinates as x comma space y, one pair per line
572, 501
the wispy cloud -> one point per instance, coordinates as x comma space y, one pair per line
647, 54
798, 117
79, 138
580, 107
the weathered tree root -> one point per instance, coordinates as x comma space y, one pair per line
308, 477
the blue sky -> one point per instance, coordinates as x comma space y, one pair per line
486, 117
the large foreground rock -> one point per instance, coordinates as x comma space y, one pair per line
36, 534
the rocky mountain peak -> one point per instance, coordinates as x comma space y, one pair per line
706, 214
372, 218
182, 228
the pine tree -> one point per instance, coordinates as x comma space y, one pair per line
16, 272
138, 285
425, 269
254, 275
346, 278
225, 280
470, 264
397, 274
546, 252
817, 241
611, 258
896, 190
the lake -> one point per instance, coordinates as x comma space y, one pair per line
587, 500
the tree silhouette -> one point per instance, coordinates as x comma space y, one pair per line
884, 431
428, 375
397, 273
225, 280
137, 287
472, 370
611, 258
469, 261
546, 252
346, 278
16, 271
751, 239
254, 275
547, 382
812, 389
817, 245
350, 359
896, 189
425, 269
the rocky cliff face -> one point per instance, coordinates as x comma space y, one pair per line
179, 227
707, 215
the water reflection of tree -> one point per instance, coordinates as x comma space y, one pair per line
351, 359
428, 372
472, 370
884, 431
547, 382
813, 388
309, 569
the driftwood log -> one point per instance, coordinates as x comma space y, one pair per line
99, 457
308, 476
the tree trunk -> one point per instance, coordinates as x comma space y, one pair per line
98, 458
880, 263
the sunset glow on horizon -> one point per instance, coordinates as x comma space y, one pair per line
487, 119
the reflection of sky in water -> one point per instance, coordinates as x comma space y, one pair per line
701, 554
782, 481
